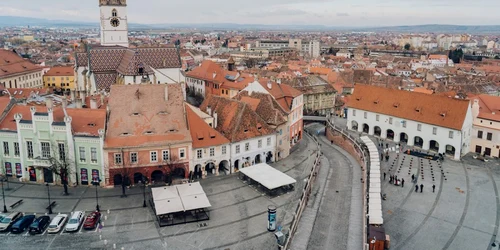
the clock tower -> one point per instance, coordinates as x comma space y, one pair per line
114, 27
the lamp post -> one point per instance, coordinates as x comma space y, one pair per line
96, 184
48, 195
144, 192
3, 196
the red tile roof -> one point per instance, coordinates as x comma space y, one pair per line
12, 64
202, 134
430, 109
489, 107
60, 71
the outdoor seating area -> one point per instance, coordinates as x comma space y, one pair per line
180, 204
270, 179
374, 184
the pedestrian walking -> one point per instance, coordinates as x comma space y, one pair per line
412, 177
384, 176
416, 188
390, 179
433, 187
402, 182
421, 188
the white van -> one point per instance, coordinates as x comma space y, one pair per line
75, 221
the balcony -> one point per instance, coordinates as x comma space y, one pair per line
41, 162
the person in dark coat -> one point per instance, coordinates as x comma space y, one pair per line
412, 177
421, 188
384, 176
433, 187
416, 188
402, 182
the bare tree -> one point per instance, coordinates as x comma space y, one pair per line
174, 166
125, 173
60, 163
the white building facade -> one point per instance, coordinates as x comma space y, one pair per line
114, 26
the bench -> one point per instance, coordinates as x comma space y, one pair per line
51, 205
16, 204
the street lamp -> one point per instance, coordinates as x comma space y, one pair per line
96, 184
144, 192
48, 194
3, 196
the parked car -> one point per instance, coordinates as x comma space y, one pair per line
75, 221
39, 225
8, 221
57, 223
92, 220
22, 224
2, 216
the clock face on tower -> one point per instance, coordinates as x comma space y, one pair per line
115, 22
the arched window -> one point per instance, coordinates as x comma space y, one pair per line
114, 13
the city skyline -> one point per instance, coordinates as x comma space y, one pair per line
357, 13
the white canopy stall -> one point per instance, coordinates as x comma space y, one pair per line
267, 176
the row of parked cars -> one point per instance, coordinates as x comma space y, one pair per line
18, 223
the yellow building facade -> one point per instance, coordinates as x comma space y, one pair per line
60, 77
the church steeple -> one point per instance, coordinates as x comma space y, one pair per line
114, 26
113, 2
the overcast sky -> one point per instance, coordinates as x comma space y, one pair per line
324, 12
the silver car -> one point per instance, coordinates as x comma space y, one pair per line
57, 223
8, 221
75, 221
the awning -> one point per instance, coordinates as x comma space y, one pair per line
179, 198
267, 176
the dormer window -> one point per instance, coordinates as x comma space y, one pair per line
149, 132
418, 109
396, 104
358, 98
375, 102
443, 114
246, 130
135, 114
91, 124
125, 134
172, 130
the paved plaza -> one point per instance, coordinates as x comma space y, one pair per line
238, 216
462, 213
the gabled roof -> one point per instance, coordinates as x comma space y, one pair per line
12, 64
265, 106
235, 119
61, 71
141, 116
489, 107
430, 109
206, 72
282, 93
202, 134
85, 122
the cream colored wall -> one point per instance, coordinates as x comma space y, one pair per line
29, 80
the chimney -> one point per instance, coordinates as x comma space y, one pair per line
93, 103
475, 108
278, 81
269, 85
72, 92
214, 74
166, 92
102, 99
209, 110
215, 119
49, 102
78, 103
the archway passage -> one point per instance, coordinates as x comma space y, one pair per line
354, 125
117, 179
223, 166
197, 171
179, 173
137, 177
257, 159
269, 157
366, 128
434, 145
390, 134
210, 168
450, 150
236, 165
403, 137
418, 141
157, 176
377, 131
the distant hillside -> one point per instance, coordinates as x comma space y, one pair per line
10, 21
438, 28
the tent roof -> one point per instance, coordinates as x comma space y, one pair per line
267, 176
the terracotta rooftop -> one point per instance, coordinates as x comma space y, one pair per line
283, 93
489, 107
140, 115
61, 71
265, 106
12, 64
202, 134
85, 122
236, 120
430, 109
